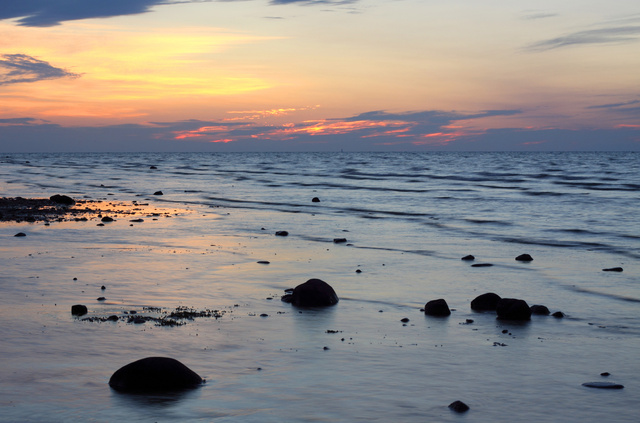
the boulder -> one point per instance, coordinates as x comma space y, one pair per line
62, 199
513, 309
154, 374
20, 234
79, 310
312, 293
315, 200
540, 310
558, 315
524, 257
282, 233
468, 257
437, 307
485, 302
158, 193
339, 240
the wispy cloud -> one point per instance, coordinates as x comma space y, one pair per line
19, 68
44, 13
623, 105
607, 35
533, 15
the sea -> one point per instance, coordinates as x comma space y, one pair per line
405, 219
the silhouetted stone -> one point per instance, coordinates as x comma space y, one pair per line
603, 385
485, 302
468, 258
358, 271
263, 262
62, 199
315, 200
482, 265
79, 310
513, 309
558, 315
107, 219
152, 167
19, 234
112, 318
312, 293
605, 374
282, 233
437, 307
540, 310
524, 257
613, 269
101, 298
459, 407
154, 374
339, 240
158, 193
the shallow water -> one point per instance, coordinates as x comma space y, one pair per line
408, 219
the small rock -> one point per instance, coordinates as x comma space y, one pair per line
485, 302
107, 219
79, 310
404, 320
282, 233
264, 315
358, 271
62, 199
315, 200
137, 220
263, 262
468, 258
605, 374
20, 234
101, 298
558, 315
438, 308
158, 193
152, 167
154, 374
482, 265
339, 240
103, 287
312, 293
112, 318
540, 310
613, 269
459, 407
603, 385
524, 257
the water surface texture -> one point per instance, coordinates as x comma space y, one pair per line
407, 218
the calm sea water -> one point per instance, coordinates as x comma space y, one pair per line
408, 219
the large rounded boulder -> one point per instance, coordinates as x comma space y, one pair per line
312, 293
438, 308
154, 374
485, 302
513, 309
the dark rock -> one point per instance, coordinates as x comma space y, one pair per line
79, 310
158, 193
603, 385
137, 220
524, 257
112, 318
437, 307
339, 240
482, 265
152, 167
613, 269
605, 374
404, 320
101, 298
358, 271
513, 309
263, 262
62, 199
540, 310
468, 258
103, 287
459, 407
20, 234
485, 302
282, 233
312, 293
558, 315
107, 219
154, 374
315, 200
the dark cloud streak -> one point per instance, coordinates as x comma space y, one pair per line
20, 68
610, 35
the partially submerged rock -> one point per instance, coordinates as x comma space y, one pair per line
62, 199
468, 257
485, 302
524, 257
154, 374
282, 233
613, 269
513, 309
438, 308
312, 293
459, 407
603, 385
540, 310
79, 310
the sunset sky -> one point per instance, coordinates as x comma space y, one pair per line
319, 75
